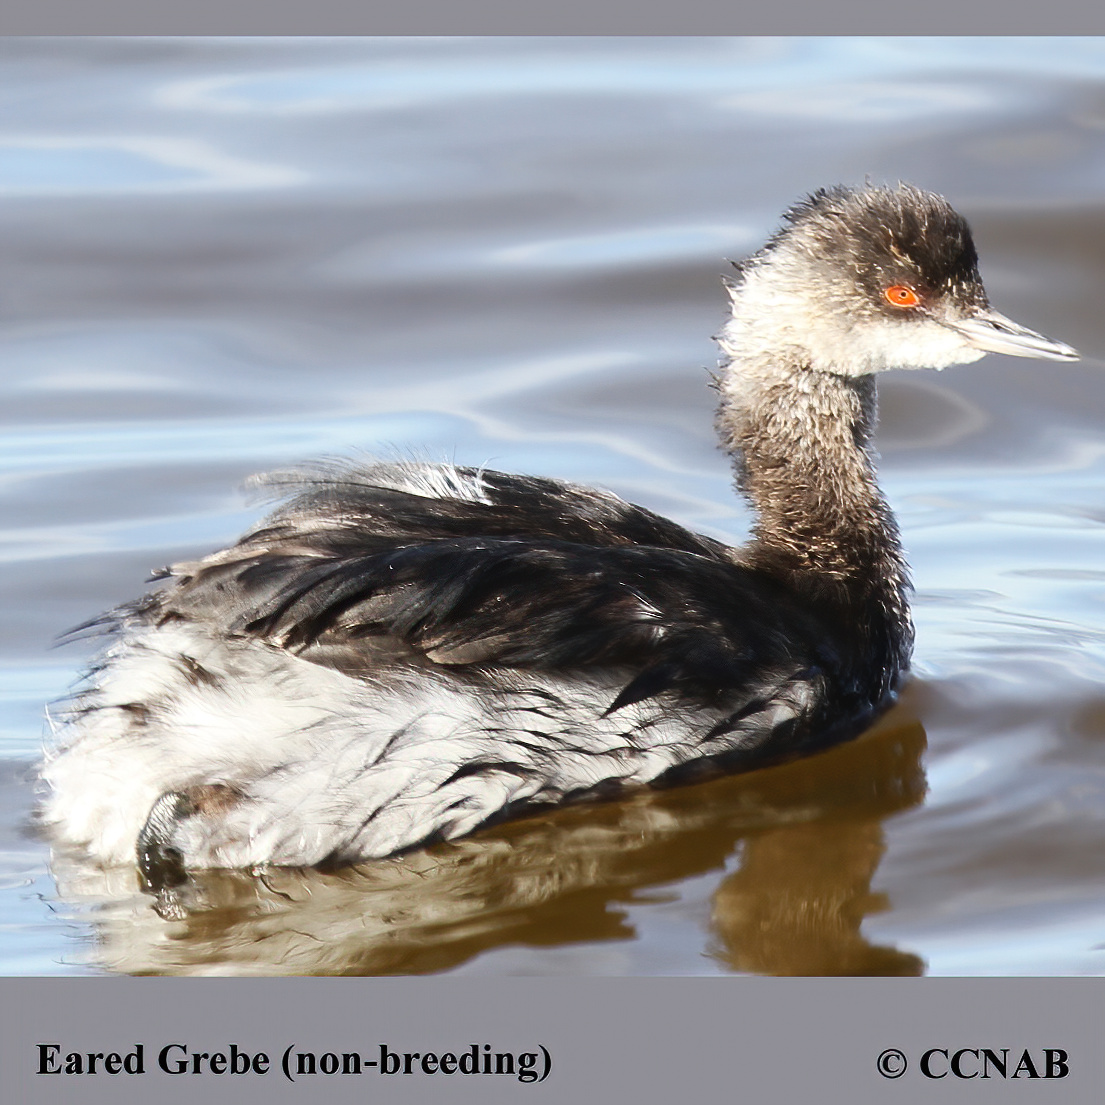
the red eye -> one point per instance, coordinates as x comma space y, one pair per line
902, 296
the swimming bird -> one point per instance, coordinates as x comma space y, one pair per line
405, 652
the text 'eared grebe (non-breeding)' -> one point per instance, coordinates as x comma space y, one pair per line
404, 652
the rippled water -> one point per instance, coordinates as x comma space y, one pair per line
224, 256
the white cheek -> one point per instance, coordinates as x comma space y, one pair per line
880, 346
774, 320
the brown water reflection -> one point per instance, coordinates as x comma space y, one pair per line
808, 835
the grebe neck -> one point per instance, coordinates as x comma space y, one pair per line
801, 442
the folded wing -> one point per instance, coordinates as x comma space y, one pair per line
471, 570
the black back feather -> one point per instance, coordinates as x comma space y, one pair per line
536, 575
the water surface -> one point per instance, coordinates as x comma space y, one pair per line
225, 256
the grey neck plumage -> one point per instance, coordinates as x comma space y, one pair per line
801, 442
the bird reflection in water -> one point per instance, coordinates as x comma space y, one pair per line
808, 837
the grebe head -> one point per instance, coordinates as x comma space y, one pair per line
862, 280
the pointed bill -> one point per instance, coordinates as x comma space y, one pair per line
997, 334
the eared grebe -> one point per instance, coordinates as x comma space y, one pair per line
405, 652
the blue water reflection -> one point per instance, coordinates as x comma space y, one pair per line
226, 256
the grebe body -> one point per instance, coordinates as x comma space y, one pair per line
405, 652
